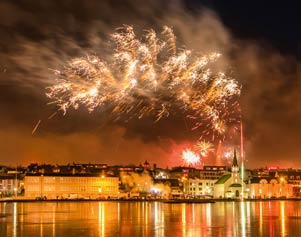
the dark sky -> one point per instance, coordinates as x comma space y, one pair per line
259, 42
275, 23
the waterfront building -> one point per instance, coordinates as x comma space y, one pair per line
196, 188
269, 187
10, 185
275, 182
70, 186
292, 177
203, 182
229, 185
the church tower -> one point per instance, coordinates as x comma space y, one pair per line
235, 168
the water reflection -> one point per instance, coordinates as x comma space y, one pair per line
43, 219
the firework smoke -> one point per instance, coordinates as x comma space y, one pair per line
148, 77
144, 183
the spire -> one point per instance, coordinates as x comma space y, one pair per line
235, 163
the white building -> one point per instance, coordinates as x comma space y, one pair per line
9, 185
198, 187
230, 185
269, 187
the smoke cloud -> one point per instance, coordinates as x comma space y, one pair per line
38, 36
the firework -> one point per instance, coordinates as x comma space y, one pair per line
190, 157
148, 77
36, 127
226, 155
204, 148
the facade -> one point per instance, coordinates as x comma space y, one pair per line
10, 185
269, 187
195, 188
69, 186
198, 182
293, 178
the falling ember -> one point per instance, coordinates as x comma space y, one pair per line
149, 77
36, 127
190, 158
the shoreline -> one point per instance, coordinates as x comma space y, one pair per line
169, 201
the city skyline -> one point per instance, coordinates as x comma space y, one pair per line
38, 38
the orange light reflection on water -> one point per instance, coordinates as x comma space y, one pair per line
266, 218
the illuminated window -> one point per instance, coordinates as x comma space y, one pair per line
49, 188
49, 179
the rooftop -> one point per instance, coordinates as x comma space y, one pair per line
223, 179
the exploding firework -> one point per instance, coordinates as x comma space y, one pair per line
204, 148
148, 77
190, 158
228, 155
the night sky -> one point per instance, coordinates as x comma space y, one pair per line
260, 44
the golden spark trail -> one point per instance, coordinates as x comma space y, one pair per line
149, 77
204, 148
36, 127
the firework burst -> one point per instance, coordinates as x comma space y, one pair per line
190, 158
204, 148
148, 77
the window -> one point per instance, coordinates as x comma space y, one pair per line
49, 188
33, 188
82, 189
33, 179
49, 179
